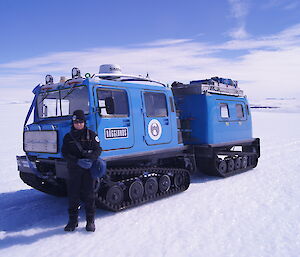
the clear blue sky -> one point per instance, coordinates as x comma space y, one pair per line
34, 27
228, 29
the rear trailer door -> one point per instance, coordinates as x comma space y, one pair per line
157, 123
114, 119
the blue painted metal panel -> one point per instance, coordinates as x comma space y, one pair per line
115, 131
200, 114
231, 128
137, 140
157, 129
202, 121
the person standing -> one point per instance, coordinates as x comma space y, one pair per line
81, 147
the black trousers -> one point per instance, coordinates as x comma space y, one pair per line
81, 186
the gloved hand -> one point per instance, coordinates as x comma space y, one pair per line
87, 154
85, 163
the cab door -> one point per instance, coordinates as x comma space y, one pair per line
157, 123
114, 120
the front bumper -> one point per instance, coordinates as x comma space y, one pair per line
48, 176
43, 168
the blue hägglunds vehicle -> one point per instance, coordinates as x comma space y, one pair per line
152, 135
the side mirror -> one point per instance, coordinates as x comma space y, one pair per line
109, 105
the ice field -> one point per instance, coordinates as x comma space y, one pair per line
252, 214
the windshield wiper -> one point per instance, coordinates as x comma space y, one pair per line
69, 92
44, 97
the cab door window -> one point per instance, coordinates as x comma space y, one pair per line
113, 102
156, 104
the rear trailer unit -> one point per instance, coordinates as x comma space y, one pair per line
215, 121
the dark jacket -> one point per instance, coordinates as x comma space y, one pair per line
89, 142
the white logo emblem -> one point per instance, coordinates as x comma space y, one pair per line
154, 129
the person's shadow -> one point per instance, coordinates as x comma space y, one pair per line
41, 216
27, 210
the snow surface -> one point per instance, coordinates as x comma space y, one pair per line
252, 214
291, 104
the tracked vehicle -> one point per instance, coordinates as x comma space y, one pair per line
152, 136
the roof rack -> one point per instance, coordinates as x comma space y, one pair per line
124, 78
216, 85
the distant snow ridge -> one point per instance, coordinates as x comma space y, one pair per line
277, 104
5, 102
15, 96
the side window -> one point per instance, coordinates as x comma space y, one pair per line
239, 111
224, 111
156, 104
113, 102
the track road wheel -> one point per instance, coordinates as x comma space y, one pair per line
115, 195
222, 167
178, 180
244, 162
230, 165
164, 183
237, 163
136, 190
151, 186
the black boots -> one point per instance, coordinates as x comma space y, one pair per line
90, 224
72, 224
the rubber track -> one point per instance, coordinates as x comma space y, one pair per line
140, 173
235, 172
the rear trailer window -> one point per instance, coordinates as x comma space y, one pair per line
63, 102
239, 111
224, 111
156, 104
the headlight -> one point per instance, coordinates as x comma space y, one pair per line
40, 141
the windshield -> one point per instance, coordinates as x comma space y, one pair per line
63, 102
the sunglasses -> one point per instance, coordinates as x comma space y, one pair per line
78, 121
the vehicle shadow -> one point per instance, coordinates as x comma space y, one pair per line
35, 214
29, 215
199, 177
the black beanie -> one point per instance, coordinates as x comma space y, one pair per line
78, 115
